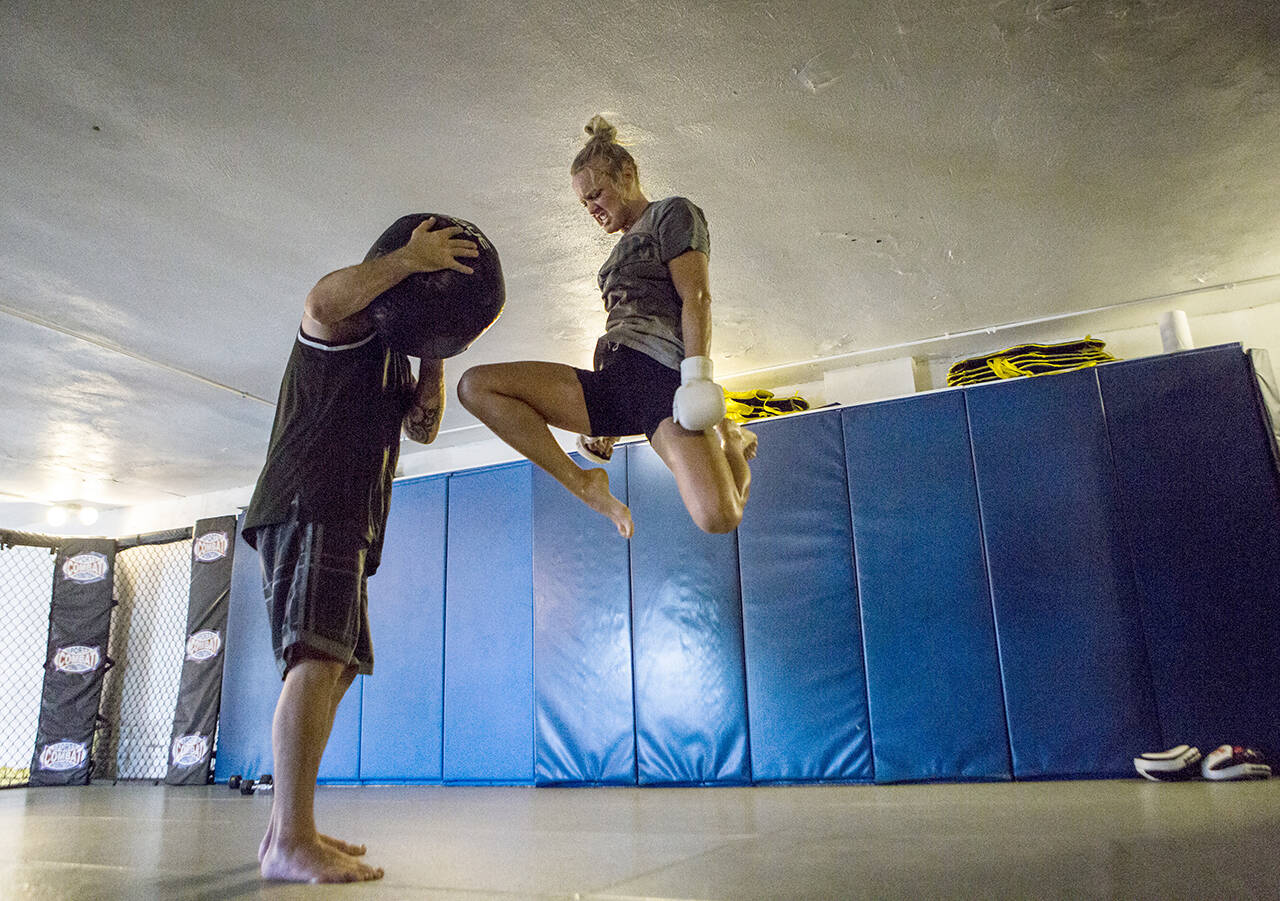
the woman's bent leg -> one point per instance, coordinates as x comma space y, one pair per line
519, 401
710, 470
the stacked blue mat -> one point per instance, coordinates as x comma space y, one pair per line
1031, 579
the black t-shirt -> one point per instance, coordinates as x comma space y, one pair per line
336, 439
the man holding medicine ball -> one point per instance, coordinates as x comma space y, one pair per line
317, 517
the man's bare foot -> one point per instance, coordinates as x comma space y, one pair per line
595, 494
339, 845
314, 862
328, 841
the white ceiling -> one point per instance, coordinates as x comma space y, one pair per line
175, 176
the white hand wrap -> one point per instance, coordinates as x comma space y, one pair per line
699, 402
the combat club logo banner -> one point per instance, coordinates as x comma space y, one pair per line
85, 568
64, 755
188, 750
73, 662
210, 546
77, 659
204, 645
195, 712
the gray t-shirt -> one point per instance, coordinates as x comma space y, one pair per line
644, 307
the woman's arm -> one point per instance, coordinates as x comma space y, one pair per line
699, 401
422, 422
692, 280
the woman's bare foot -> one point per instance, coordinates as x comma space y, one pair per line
731, 433
596, 449
595, 494
313, 862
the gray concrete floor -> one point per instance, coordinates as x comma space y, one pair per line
1107, 839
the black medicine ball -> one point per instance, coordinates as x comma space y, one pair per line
438, 314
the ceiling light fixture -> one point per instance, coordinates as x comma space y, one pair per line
60, 514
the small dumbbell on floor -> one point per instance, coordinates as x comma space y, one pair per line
262, 784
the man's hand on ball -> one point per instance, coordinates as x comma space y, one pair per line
431, 250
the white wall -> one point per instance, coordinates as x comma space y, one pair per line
1255, 326
181, 513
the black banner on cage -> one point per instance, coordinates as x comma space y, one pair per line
195, 716
79, 623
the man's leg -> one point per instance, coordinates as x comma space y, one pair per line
340, 690
299, 732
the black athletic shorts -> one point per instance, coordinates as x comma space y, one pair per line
629, 393
313, 578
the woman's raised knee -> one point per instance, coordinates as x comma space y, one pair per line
474, 382
717, 518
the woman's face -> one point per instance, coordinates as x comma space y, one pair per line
607, 201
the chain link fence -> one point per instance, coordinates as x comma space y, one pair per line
148, 637
147, 643
26, 589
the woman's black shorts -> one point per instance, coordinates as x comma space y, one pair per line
630, 392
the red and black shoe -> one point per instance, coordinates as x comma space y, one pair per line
1234, 762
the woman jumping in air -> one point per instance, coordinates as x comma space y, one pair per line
652, 369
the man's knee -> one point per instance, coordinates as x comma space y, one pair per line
345, 678
305, 664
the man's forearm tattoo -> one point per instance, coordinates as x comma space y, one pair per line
421, 423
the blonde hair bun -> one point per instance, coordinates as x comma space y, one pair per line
601, 129
603, 152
